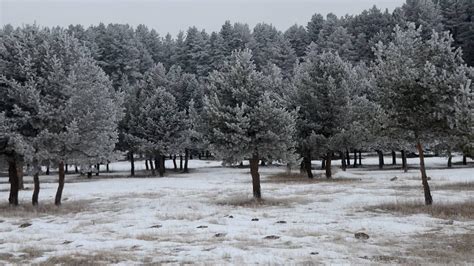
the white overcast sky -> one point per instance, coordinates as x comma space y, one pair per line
174, 15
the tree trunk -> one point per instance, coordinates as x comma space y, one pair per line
174, 163
47, 170
328, 165
394, 158
59, 192
307, 165
132, 163
19, 169
146, 165
450, 157
161, 163
186, 156
360, 157
107, 167
13, 178
262, 162
180, 162
255, 177
343, 161
302, 167
75, 169
323, 164
36, 189
348, 158
98, 169
199, 156
424, 177
355, 159
381, 162
464, 159
288, 168
404, 161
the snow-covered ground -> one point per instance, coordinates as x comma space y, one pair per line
206, 217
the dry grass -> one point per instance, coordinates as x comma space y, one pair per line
461, 210
295, 177
442, 248
459, 186
28, 211
99, 258
259, 203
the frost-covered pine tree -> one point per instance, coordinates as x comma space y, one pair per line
424, 87
158, 122
321, 85
242, 119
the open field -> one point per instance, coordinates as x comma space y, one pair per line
208, 216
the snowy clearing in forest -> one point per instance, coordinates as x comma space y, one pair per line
208, 216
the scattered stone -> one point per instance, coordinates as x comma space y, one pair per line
255, 220
231, 217
156, 226
364, 257
1, 221
67, 242
271, 237
219, 235
25, 225
202, 226
393, 178
134, 247
314, 253
281, 222
450, 222
361, 235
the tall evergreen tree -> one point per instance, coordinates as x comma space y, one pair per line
242, 121
431, 81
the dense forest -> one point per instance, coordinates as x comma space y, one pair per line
377, 81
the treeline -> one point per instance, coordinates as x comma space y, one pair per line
396, 81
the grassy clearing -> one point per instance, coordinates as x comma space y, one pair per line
460, 210
28, 211
295, 177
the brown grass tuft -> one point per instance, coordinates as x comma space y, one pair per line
460, 210
459, 186
295, 177
99, 258
26, 211
264, 202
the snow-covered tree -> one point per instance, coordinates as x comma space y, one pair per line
424, 87
321, 84
242, 120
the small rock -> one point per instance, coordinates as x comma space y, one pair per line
219, 235
361, 235
281, 222
230, 216
450, 222
202, 226
314, 253
255, 220
393, 178
271, 237
156, 226
1, 221
67, 242
25, 225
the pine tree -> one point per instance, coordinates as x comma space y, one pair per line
321, 83
242, 121
423, 78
